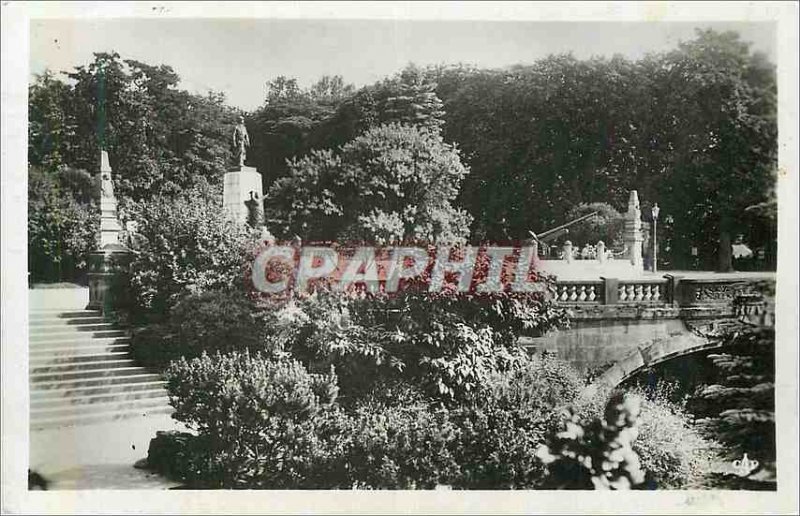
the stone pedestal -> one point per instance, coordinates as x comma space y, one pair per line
633, 231
242, 187
108, 269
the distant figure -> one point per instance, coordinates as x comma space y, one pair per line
241, 141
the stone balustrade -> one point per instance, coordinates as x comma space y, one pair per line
578, 292
667, 291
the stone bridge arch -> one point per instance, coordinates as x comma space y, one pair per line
636, 323
698, 337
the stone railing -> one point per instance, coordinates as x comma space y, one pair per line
669, 290
642, 291
590, 292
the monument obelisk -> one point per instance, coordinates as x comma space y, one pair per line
109, 262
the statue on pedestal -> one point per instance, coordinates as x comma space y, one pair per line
241, 141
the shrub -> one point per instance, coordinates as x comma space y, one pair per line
670, 448
184, 245
502, 429
596, 454
217, 321
257, 415
449, 344
386, 446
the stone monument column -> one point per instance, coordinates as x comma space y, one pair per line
633, 231
108, 264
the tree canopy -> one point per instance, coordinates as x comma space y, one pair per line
693, 129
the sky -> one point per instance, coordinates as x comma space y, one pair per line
238, 56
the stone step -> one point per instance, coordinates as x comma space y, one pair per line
64, 321
87, 349
101, 366
88, 378
80, 391
70, 328
78, 342
85, 374
50, 359
44, 313
107, 406
92, 399
42, 421
99, 382
73, 335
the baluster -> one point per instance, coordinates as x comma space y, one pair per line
573, 296
631, 292
592, 294
638, 296
622, 293
656, 292
647, 294
582, 293
562, 295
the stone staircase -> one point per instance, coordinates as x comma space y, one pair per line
81, 372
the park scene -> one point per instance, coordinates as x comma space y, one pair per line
555, 274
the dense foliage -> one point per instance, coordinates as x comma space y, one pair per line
256, 415
63, 223
268, 423
184, 245
394, 183
693, 129
671, 449
449, 345
217, 321
737, 403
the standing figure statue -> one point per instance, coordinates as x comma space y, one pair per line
241, 141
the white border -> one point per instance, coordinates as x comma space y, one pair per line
16, 499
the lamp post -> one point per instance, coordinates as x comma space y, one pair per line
655, 211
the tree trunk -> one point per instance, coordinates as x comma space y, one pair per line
725, 252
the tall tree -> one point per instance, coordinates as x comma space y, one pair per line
721, 114
393, 183
160, 139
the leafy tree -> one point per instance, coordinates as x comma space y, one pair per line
607, 225
412, 100
391, 184
721, 116
160, 139
291, 122
63, 223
